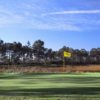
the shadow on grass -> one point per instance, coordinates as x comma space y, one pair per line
76, 80
51, 91
24, 75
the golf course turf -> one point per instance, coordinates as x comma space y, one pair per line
50, 86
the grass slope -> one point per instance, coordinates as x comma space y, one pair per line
50, 86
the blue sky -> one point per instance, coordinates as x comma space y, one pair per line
73, 23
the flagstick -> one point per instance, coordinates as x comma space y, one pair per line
63, 64
67, 55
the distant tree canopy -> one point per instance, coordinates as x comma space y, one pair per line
37, 54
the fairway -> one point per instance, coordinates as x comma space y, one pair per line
50, 86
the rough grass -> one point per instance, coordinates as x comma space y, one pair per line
38, 69
49, 86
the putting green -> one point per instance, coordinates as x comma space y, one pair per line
51, 85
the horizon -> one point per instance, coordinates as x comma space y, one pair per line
58, 23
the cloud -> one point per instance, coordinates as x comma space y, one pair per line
73, 12
9, 17
57, 26
34, 16
28, 19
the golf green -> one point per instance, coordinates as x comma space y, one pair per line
50, 86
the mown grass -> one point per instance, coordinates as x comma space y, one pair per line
50, 86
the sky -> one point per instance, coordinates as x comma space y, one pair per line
72, 23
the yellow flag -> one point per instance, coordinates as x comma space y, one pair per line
67, 54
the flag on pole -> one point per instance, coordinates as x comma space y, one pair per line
67, 54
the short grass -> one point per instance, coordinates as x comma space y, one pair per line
50, 86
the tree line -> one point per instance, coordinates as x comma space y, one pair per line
38, 54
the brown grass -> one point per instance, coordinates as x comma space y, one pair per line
89, 68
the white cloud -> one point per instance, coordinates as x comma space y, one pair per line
8, 17
37, 17
58, 26
32, 20
73, 12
